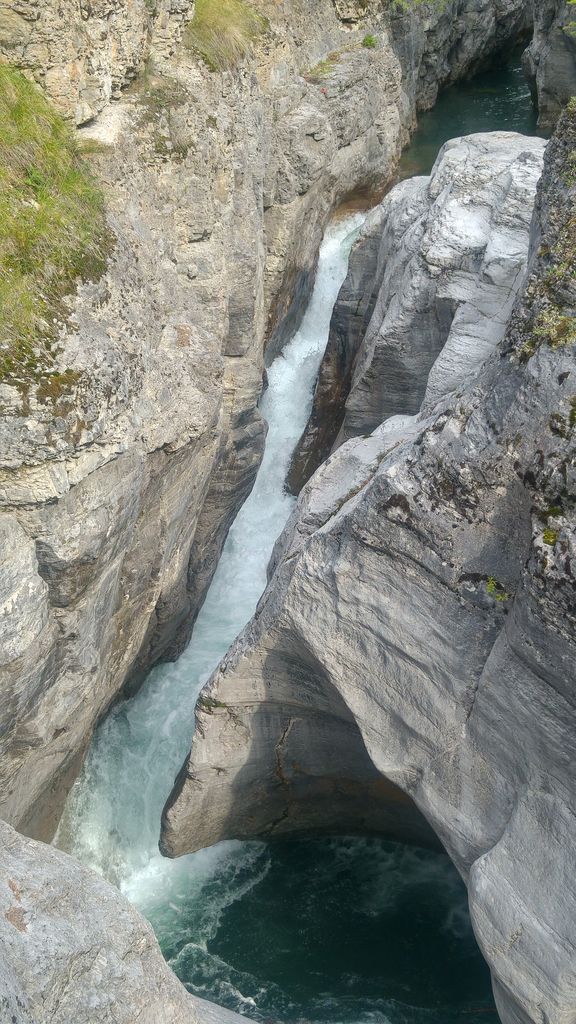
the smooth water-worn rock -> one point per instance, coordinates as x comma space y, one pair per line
452, 257
423, 595
550, 60
74, 951
121, 482
430, 288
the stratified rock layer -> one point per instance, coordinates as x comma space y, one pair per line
118, 481
426, 584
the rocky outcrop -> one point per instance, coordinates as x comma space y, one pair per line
120, 476
74, 950
550, 60
423, 595
430, 288
83, 53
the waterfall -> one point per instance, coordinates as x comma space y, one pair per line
112, 817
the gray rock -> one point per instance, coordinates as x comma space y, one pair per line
452, 257
550, 60
429, 291
84, 52
74, 950
423, 594
351, 316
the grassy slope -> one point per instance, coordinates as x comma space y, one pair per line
52, 227
223, 31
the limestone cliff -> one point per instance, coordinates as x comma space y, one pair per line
118, 482
451, 253
550, 60
422, 607
83, 53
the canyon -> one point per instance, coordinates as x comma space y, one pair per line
119, 485
421, 600
444, 512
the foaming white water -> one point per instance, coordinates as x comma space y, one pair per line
112, 817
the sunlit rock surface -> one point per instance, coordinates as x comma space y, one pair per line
429, 292
82, 53
423, 594
451, 261
75, 952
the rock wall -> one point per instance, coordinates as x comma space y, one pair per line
82, 52
425, 583
74, 950
117, 485
550, 60
442, 260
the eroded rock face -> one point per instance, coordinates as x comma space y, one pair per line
550, 60
452, 258
83, 53
125, 476
424, 592
430, 288
74, 950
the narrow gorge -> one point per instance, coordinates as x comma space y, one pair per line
287, 409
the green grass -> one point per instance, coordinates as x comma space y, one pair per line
496, 590
52, 227
570, 27
555, 327
224, 31
323, 68
370, 42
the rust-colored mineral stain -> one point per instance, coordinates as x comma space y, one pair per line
15, 915
13, 886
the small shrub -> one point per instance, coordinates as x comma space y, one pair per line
550, 536
570, 27
496, 590
555, 327
370, 42
223, 31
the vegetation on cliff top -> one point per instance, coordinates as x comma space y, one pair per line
52, 227
223, 31
570, 27
553, 319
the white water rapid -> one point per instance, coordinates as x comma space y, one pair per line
112, 818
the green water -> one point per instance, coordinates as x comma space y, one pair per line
341, 930
498, 100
